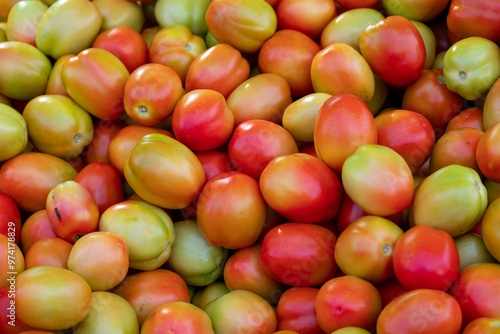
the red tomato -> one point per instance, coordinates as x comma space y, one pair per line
426, 258
389, 290
295, 68
301, 188
104, 131
126, 44
353, 4
307, 16
103, 182
255, 143
299, 254
214, 162
9, 322
296, 311
408, 133
35, 228
477, 290
202, 120
394, 50
10, 218
488, 153
221, 68
468, 118
464, 15
347, 301
423, 311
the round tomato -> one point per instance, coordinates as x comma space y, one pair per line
36, 227
214, 162
468, 118
48, 252
463, 16
296, 311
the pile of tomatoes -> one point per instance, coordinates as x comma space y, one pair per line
250, 166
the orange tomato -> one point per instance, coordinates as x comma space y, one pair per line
48, 252
36, 227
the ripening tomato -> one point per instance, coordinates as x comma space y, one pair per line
206, 294
10, 218
394, 49
12, 262
55, 85
214, 162
36, 227
48, 252
472, 250
104, 131
8, 315
23, 21
296, 311
353, 4
491, 116
490, 228
189, 13
463, 16
468, 118
418, 10
487, 153
482, 325
118, 13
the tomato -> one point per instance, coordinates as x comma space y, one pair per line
244, 24
108, 311
299, 254
421, 311
68, 27
353, 4
468, 118
489, 229
408, 133
55, 85
8, 315
51, 298
487, 154
463, 16
378, 180
241, 310
126, 44
472, 250
6, 7
340, 69
147, 230
365, 248
189, 13
118, 13
202, 120
19, 81
221, 68
151, 93
394, 49
418, 10
176, 47
477, 290
72, 211
342, 124
482, 326
214, 162
10, 218
296, 311
235, 226
471, 67
180, 317
255, 143
147, 290
197, 261
347, 301
48, 252
36, 227
23, 21
390, 290
452, 199
434, 266
206, 294
306, 16
29, 177
12, 262
14, 136
429, 42
295, 68
104, 131
243, 271
492, 100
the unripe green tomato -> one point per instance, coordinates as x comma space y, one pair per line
189, 13
120, 13
13, 132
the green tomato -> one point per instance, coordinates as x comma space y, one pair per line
13, 133
189, 13
471, 67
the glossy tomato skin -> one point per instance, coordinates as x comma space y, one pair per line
424, 311
467, 118
126, 44
487, 154
36, 227
301, 188
483, 325
394, 50
214, 162
477, 291
296, 311
49, 252
10, 218
489, 229
104, 131
433, 266
463, 16
299, 254
421, 11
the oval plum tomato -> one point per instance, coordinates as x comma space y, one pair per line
104, 131
296, 311
10, 218
456, 147
214, 162
471, 67
48, 252
347, 301
255, 143
95, 79
490, 228
468, 118
433, 266
234, 226
126, 44
202, 120
295, 68
488, 154
8, 314
29, 177
417, 10
301, 188
136, 289
472, 250
151, 94
55, 85
306, 16
206, 294
491, 116
452, 199
340, 69
378, 179
429, 42
264, 96
365, 248
36, 227
221, 68
463, 16
72, 211
176, 47
394, 50
179, 317
12, 263
477, 290
483, 325
408, 133
343, 123
299, 254
423, 311
244, 24
14, 137
23, 21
